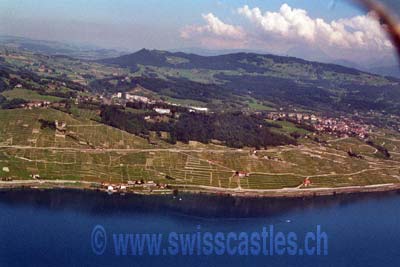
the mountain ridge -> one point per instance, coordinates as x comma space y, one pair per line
160, 58
271, 78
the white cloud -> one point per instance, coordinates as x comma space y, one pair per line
360, 32
288, 22
215, 32
288, 27
215, 27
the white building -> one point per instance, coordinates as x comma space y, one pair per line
162, 110
117, 95
199, 109
314, 118
137, 98
110, 188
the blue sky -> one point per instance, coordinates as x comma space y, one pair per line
158, 12
133, 24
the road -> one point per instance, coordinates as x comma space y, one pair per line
100, 150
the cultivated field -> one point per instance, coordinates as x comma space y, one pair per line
89, 151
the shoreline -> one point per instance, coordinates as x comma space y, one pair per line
284, 193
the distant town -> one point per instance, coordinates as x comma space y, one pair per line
342, 126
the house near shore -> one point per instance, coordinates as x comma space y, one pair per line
307, 182
110, 188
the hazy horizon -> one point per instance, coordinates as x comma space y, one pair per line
321, 30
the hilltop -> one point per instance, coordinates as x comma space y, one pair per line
269, 79
250, 62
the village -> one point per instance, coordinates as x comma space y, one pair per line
341, 126
118, 99
135, 185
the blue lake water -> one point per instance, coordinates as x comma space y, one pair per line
53, 228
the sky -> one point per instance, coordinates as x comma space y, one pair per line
312, 29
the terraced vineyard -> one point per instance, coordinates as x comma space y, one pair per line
89, 151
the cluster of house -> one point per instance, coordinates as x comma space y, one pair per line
167, 111
138, 98
36, 104
114, 187
42, 104
132, 97
150, 185
127, 97
87, 98
342, 126
293, 116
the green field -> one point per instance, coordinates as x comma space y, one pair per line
288, 127
29, 95
259, 106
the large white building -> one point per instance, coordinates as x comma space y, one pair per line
199, 109
162, 110
137, 98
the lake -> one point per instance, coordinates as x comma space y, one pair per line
55, 228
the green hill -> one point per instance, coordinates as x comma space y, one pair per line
280, 80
